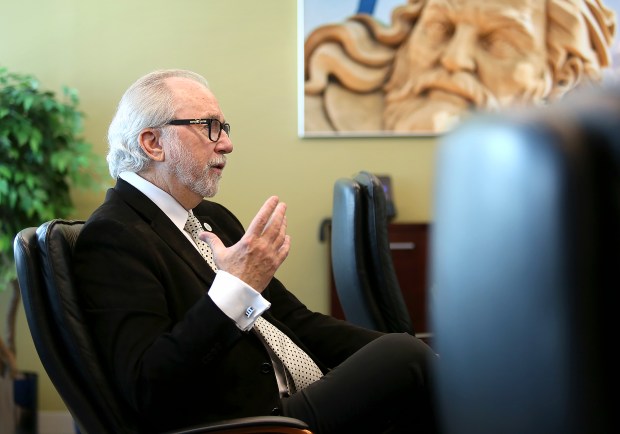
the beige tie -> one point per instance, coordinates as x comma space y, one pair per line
192, 225
302, 368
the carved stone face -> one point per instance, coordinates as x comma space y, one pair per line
465, 54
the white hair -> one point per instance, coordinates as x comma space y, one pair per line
146, 104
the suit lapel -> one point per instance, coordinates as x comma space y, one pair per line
165, 229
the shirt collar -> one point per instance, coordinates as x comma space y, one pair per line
163, 200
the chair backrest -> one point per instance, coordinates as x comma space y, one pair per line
525, 264
386, 289
349, 264
43, 257
362, 266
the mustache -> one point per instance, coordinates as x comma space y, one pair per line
220, 160
460, 83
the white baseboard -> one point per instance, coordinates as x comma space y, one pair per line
55, 422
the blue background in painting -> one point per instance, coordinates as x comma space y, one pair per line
366, 6
319, 12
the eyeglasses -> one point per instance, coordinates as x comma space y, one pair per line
214, 126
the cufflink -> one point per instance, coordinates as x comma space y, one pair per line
248, 311
207, 227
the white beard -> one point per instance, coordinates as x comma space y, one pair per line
200, 180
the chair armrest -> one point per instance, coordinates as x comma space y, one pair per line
251, 425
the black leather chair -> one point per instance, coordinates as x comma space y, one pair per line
525, 263
364, 275
43, 259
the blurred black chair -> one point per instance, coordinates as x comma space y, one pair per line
364, 275
525, 263
43, 258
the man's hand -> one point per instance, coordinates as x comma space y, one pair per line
259, 253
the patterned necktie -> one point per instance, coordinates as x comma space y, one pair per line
302, 368
192, 225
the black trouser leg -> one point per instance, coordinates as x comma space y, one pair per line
383, 387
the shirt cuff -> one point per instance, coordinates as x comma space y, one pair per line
239, 301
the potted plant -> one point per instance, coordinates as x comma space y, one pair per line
42, 155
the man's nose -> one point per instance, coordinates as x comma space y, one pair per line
224, 144
459, 51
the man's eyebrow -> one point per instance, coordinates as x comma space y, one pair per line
213, 115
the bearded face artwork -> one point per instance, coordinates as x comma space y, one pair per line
464, 54
443, 59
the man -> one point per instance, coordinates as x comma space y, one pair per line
441, 59
193, 331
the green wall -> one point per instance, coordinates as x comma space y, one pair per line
247, 49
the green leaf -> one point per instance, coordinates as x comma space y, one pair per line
5, 171
59, 161
28, 100
36, 138
22, 133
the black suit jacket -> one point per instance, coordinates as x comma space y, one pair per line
174, 356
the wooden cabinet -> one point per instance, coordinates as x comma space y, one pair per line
409, 245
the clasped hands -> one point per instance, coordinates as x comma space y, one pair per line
263, 248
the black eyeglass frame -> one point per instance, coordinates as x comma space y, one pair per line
223, 125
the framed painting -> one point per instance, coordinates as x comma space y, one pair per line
418, 67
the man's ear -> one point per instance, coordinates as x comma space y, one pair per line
150, 142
